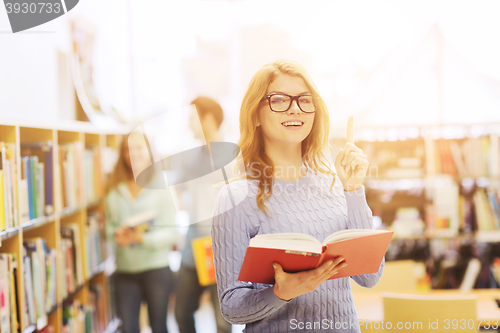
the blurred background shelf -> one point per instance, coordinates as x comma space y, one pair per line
53, 225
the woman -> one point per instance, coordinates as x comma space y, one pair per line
289, 187
142, 270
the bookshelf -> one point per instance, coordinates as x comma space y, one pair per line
57, 213
448, 179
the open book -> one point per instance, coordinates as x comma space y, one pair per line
363, 250
142, 220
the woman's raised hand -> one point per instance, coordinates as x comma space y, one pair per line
351, 163
290, 285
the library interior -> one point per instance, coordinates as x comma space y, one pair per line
91, 242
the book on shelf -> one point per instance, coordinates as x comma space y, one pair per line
74, 317
471, 275
9, 318
93, 174
94, 257
100, 317
70, 164
9, 189
68, 283
442, 216
81, 318
4, 294
495, 269
91, 321
51, 271
470, 157
73, 182
43, 261
395, 160
14, 303
2, 205
32, 172
204, 260
487, 209
28, 291
362, 249
44, 173
97, 221
71, 231
35, 249
24, 200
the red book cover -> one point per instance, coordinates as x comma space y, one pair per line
70, 282
362, 254
62, 158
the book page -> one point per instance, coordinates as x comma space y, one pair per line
351, 233
287, 241
145, 217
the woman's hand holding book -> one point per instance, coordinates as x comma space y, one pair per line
291, 285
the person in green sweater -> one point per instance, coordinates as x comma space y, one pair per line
142, 267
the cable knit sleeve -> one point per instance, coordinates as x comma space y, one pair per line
241, 302
359, 216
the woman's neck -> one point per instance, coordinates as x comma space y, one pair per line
287, 161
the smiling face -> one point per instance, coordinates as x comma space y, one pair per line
292, 126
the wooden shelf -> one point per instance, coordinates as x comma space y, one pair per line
21, 131
38, 222
11, 232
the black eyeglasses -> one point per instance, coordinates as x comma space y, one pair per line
283, 102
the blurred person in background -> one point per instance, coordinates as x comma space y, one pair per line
142, 267
204, 122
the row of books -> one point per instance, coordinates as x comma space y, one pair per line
39, 281
36, 184
95, 241
392, 160
75, 267
473, 157
93, 174
478, 211
72, 274
8, 186
85, 318
35, 188
9, 305
487, 208
80, 166
464, 264
99, 316
449, 208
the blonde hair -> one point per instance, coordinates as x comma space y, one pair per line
251, 143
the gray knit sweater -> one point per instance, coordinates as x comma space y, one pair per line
306, 206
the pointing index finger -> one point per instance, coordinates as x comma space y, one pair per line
350, 131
